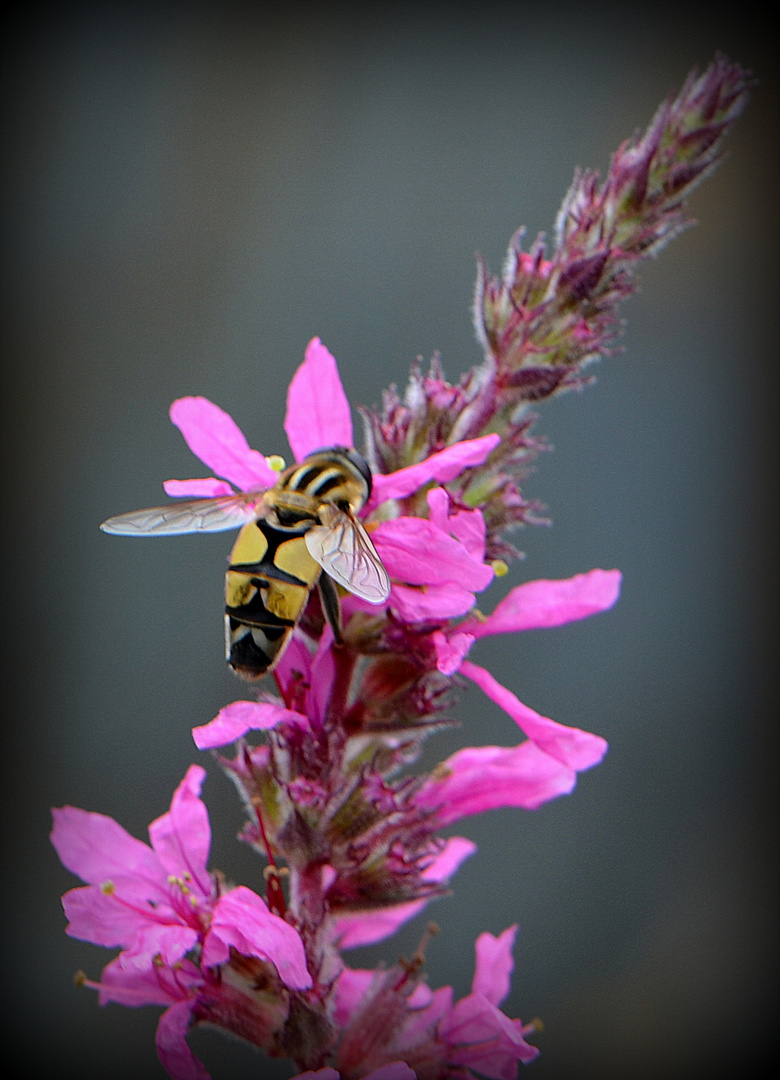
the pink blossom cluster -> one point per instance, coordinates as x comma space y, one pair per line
325, 765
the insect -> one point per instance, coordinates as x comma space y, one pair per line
302, 532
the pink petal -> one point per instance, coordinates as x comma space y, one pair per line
318, 412
421, 1023
484, 1038
216, 439
156, 985
182, 837
450, 651
468, 526
351, 988
295, 661
241, 919
169, 942
207, 488
428, 602
178, 1060
443, 466
495, 965
539, 604
97, 848
323, 674
365, 929
239, 717
482, 778
108, 918
416, 552
571, 746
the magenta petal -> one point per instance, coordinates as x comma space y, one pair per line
178, 1060
105, 918
450, 651
442, 467
416, 552
351, 988
318, 412
538, 604
239, 717
169, 942
242, 919
156, 985
182, 837
422, 604
97, 848
495, 965
217, 440
485, 1039
359, 929
207, 488
571, 746
480, 778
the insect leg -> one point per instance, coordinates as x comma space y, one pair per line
331, 604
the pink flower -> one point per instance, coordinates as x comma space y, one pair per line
476, 1032
158, 903
435, 1035
318, 415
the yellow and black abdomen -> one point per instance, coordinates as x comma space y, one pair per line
268, 582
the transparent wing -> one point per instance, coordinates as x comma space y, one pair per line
190, 515
344, 550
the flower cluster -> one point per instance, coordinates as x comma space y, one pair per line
350, 833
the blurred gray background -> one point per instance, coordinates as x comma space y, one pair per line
192, 191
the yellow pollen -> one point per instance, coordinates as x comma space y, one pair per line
275, 462
107, 888
193, 900
79, 978
157, 960
500, 568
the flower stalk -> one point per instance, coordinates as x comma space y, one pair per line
325, 766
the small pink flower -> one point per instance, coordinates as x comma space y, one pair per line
158, 903
443, 1038
148, 900
476, 1032
318, 415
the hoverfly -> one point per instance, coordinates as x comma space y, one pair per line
302, 532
